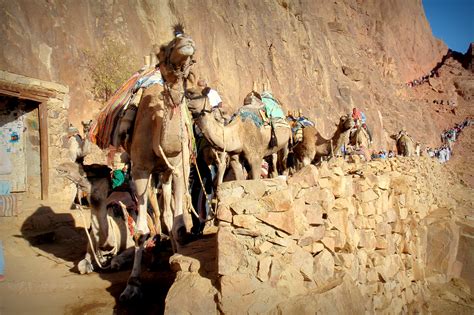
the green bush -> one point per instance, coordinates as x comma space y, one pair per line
109, 68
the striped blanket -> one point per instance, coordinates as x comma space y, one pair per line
103, 129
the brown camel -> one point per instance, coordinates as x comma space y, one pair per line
160, 144
405, 144
359, 138
109, 235
314, 146
240, 138
79, 146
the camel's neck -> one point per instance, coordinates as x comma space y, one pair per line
86, 146
339, 138
336, 141
224, 138
172, 129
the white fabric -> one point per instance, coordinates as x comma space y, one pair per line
214, 98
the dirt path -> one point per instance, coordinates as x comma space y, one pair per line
40, 254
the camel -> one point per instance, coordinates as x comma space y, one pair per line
405, 144
359, 138
109, 234
79, 147
314, 146
160, 145
240, 138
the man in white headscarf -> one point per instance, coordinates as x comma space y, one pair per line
214, 98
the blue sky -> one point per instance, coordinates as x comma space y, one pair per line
452, 21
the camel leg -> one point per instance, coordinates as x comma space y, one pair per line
283, 161
132, 290
274, 173
221, 167
179, 227
141, 178
85, 265
154, 204
236, 167
255, 167
166, 191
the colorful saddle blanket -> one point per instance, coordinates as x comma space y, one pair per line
103, 129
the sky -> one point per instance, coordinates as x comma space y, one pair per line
451, 21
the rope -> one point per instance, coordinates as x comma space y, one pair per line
197, 169
90, 240
171, 167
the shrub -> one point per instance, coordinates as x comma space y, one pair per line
109, 68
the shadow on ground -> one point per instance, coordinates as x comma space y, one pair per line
55, 237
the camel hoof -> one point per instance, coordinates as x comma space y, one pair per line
85, 267
132, 293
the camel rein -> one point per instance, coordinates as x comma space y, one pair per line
94, 253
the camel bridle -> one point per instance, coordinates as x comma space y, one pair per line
177, 71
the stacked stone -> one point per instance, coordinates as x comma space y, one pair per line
353, 233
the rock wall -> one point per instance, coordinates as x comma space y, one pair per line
340, 238
323, 57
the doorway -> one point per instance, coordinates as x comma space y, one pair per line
20, 140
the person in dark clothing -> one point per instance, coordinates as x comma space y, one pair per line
201, 199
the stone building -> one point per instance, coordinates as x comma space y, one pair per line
33, 130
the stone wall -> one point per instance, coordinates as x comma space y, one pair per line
56, 98
341, 238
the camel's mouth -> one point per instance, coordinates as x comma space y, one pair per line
186, 48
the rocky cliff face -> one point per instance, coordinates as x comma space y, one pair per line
323, 57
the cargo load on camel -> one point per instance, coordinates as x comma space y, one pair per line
121, 106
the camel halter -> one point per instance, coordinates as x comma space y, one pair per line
178, 72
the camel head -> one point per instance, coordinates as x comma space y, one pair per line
346, 123
198, 103
176, 58
75, 173
86, 126
398, 135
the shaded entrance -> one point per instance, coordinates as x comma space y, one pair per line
20, 140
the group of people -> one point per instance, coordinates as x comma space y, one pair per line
443, 102
448, 137
382, 154
422, 79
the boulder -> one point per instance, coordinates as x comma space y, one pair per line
199, 298
244, 221
442, 247
342, 296
284, 221
323, 268
281, 200
304, 178
231, 254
